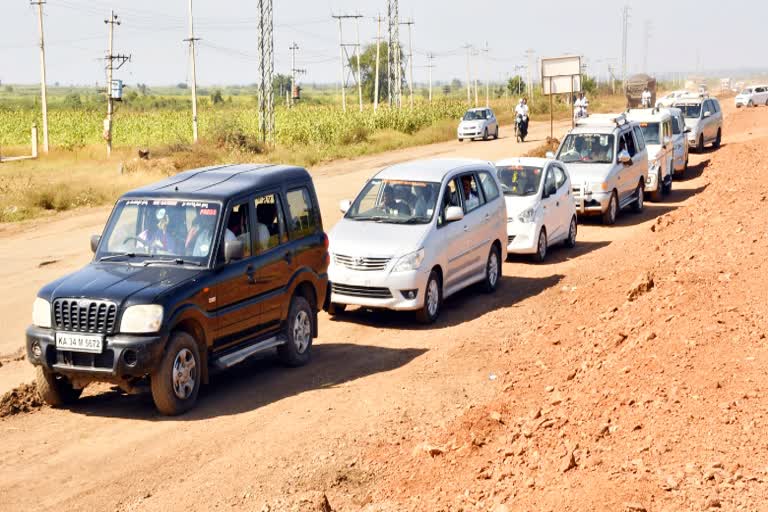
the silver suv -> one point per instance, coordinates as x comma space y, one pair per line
705, 119
607, 159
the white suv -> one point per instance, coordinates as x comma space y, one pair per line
679, 144
657, 131
704, 117
417, 233
752, 96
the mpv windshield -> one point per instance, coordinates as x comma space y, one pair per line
520, 180
651, 133
167, 228
475, 115
747, 92
592, 148
692, 111
395, 202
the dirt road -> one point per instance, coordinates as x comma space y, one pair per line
558, 359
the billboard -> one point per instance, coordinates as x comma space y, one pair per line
561, 75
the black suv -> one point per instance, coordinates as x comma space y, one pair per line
196, 272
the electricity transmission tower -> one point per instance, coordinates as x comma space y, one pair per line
394, 64
378, 19
110, 59
346, 59
294, 70
624, 33
43, 84
430, 66
192, 39
265, 50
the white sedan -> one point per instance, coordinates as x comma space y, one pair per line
478, 122
541, 211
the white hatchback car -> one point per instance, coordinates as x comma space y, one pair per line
752, 96
541, 210
417, 233
478, 122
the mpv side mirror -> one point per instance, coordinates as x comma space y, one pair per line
687, 130
344, 205
667, 140
95, 239
550, 154
234, 250
549, 190
624, 157
707, 113
453, 213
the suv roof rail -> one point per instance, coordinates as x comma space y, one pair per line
603, 119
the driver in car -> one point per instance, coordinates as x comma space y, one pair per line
156, 236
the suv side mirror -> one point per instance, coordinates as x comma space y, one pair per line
95, 239
687, 130
344, 205
707, 113
624, 157
234, 250
453, 213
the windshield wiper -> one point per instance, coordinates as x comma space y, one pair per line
177, 261
414, 220
374, 218
115, 256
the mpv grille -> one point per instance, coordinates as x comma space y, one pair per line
361, 291
83, 315
576, 190
361, 263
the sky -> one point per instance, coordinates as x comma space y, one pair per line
685, 36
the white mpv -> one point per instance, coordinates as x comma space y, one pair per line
541, 211
416, 233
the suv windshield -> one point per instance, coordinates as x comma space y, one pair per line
590, 148
520, 180
166, 228
692, 111
475, 115
746, 91
651, 133
395, 202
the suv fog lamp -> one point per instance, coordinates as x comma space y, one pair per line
410, 294
37, 350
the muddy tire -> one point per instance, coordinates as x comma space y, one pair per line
296, 351
433, 298
492, 270
609, 215
335, 309
570, 242
176, 382
541, 247
54, 389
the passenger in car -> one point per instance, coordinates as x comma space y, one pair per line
470, 197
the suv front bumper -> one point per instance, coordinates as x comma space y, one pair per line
122, 355
591, 203
378, 289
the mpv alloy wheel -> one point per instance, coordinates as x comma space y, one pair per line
639, 204
433, 296
492, 270
570, 242
609, 216
296, 350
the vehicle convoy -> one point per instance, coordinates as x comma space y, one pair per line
478, 122
679, 143
657, 131
417, 233
194, 273
636, 84
669, 99
607, 160
704, 117
752, 96
541, 211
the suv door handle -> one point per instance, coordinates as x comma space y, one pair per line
249, 272
288, 257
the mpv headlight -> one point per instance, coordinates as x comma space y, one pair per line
527, 215
410, 261
41, 313
142, 319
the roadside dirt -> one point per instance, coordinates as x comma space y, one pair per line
556, 393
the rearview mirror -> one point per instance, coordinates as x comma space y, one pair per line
453, 213
344, 205
550, 154
234, 250
707, 113
95, 239
624, 157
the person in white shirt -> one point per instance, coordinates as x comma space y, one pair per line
580, 106
471, 201
522, 110
646, 98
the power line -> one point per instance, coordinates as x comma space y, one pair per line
345, 58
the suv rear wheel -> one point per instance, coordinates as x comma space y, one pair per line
433, 297
296, 350
492, 270
176, 381
54, 389
609, 215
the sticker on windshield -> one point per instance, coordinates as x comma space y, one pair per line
164, 202
603, 140
208, 211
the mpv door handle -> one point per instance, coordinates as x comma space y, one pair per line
249, 272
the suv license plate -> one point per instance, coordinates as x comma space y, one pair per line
79, 342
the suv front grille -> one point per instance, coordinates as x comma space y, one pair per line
84, 315
361, 263
370, 292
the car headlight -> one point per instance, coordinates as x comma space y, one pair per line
410, 261
41, 313
142, 319
527, 216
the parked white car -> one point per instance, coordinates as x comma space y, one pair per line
541, 211
679, 143
752, 96
657, 131
417, 233
478, 122
671, 97
607, 160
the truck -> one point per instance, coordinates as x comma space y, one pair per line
634, 88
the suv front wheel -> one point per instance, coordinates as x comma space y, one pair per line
433, 297
176, 382
609, 215
639, 203
55, 390
298, 345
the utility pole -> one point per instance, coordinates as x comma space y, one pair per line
624, 34
468, 47
111, 58
294, 71
345, 58
409, 23
192, 39
379, 19
647, 29
43, 83
430, 59
487, 76
357, 54
343, 68
265, 50
394, 65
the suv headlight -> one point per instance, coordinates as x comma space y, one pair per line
527, 215
142, 319
41, 313
410, 261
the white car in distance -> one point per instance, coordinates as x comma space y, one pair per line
417, 233
478, 122
541, 211
752, 96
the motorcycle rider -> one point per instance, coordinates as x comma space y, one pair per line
580, 106
521, 113
646, 98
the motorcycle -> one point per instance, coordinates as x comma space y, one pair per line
521, 127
